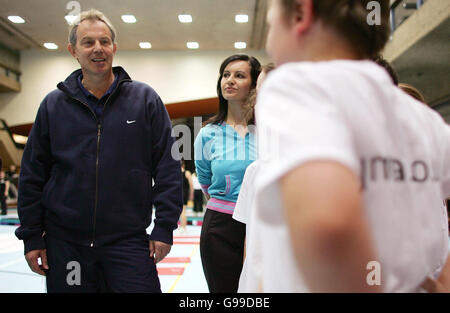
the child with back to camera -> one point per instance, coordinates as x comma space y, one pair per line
350, 199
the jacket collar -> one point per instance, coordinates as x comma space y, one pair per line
70, 85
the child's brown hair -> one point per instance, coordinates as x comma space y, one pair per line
349, 18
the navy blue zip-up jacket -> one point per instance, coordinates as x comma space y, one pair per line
89, 181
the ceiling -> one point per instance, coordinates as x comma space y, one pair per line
420, 49
213, 26
425, 65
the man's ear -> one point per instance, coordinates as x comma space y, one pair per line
303, 16
114, 48
71, 49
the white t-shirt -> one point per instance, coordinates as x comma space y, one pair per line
243, 212
349, 112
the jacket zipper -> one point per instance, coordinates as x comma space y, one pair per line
99, 127
99, 132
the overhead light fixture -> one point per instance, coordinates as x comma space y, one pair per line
20, 139
16, 19
193, 45
185, 18
241, 18
50, 46
70, 18
240, 45
145, 45
129, 19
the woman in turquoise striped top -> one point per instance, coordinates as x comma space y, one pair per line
224, 148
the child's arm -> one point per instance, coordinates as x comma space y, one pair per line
442, 284
329, 231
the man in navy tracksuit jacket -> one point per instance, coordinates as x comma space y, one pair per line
85, 192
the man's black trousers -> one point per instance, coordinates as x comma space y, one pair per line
123, 266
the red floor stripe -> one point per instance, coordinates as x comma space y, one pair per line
170, 270
186, 242
177, 260
186, 237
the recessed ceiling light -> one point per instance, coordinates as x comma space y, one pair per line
129, 19
240, 45
50, 46
70, 18
20, 138
145, 45
241, 18
185, 18
193, 45
16, 19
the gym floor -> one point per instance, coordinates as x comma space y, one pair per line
180, 272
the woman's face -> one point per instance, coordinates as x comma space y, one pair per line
236, 81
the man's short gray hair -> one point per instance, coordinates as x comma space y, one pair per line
92, 15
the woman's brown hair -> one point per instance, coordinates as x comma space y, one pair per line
349, 18
412, 91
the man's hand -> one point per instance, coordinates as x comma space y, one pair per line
159, 250
32, 260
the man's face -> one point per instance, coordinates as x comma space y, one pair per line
94, 49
